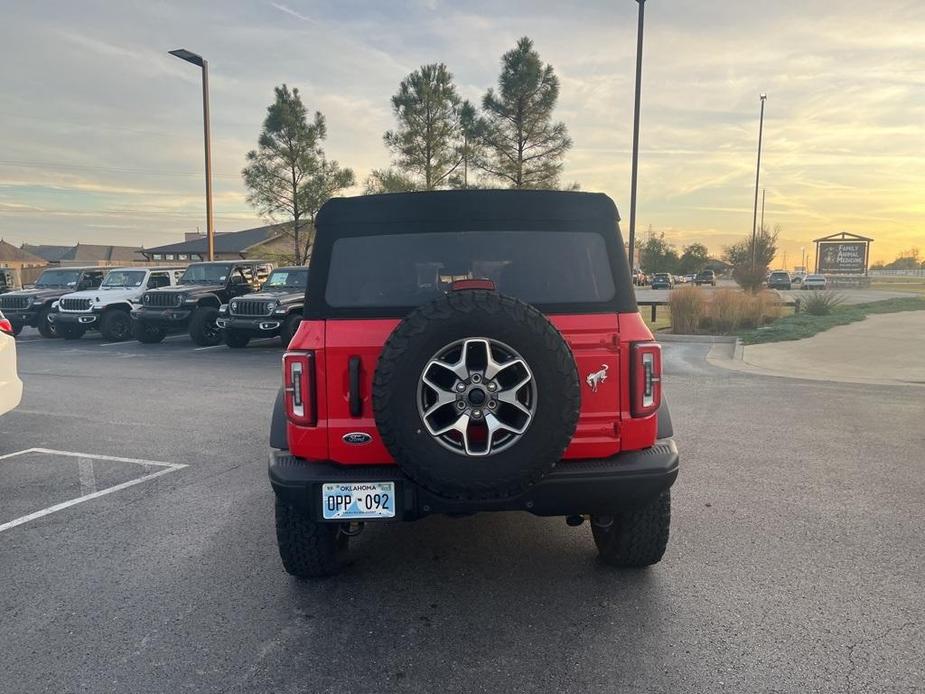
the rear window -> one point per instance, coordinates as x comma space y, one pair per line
779, 276
539, 267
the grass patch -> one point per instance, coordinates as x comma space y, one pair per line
899, 284
662, 318
800, 325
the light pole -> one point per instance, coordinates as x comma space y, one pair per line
632, 239
757, 176
803, 252
191, 57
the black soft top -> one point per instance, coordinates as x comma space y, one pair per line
467, 210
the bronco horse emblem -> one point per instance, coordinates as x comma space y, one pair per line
596, 378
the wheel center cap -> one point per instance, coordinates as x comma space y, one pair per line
476, 396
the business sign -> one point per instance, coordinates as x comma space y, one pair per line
842, 257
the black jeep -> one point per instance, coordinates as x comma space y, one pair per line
275, 310
32, 306
193, 304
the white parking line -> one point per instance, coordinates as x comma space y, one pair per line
199, 349
84, 457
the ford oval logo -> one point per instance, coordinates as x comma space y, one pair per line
357, 438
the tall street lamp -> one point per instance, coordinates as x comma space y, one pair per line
198, 60
757, 176
632, 239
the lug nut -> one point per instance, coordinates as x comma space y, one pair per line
476, 378
492, 387
460, 387
476, 413
491, 404
461, 404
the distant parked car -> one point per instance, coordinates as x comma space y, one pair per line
779, 280
814, 282
662, 280
797, 279
691, 277
706, 277
10, 385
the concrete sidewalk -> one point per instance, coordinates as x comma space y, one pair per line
888, 348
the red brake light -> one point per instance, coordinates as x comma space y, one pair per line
6, 326
460, 285
645, 378
299, 387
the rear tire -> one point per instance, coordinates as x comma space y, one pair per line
236, 340
16, 327
116, 325
70, 331
46, 329
636, 538
308, 549
203, 328
289, 328
148, 334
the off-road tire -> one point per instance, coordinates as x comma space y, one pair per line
289, 328
70, 331
116, 325
16, 327
148, 334
637, 538
308, 549
199, 327
236, 340
46, 329
461, 315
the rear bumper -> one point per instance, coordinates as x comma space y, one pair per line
601, 486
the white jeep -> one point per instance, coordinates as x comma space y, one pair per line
108, 308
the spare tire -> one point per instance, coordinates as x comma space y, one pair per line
476, 395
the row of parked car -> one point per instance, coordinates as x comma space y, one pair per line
780, 279
230, 301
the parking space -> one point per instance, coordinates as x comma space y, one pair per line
795, 561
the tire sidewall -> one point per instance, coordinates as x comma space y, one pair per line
202, 316
112, 318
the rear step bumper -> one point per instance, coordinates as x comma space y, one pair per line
600, 486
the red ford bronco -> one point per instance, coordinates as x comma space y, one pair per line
467, 351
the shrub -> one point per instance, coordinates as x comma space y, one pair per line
750, 280
821, 303
761, 309
727, 310
688, 308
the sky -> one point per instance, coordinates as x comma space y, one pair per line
101, 129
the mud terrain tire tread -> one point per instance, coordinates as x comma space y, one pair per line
308, 549
637, 538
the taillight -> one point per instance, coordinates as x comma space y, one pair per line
299, 386
6, 326
646, 378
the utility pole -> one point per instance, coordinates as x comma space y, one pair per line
757, 176
632, 239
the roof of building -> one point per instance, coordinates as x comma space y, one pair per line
91, 252
50, 253
9, 252
225, 242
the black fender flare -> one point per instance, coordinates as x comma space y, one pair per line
209, 301
278, 438
665, 429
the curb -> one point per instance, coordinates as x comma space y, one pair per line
703, 339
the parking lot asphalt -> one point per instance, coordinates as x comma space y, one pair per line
795, 563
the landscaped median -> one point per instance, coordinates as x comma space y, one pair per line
801, 325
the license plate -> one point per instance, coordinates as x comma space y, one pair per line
358, 500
